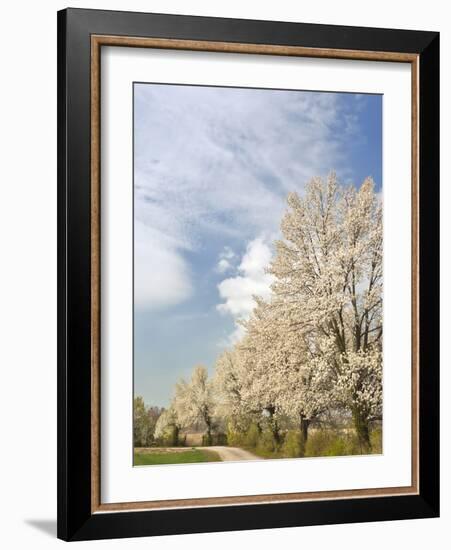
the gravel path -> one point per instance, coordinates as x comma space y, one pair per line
232, 453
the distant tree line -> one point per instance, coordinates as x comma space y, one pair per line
144, 422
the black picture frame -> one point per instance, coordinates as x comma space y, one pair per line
75, 518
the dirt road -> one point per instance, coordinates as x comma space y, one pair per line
232, 453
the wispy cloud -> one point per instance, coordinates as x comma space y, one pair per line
218, 163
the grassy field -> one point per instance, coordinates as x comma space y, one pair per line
146, 458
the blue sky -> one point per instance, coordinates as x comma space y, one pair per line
212, 168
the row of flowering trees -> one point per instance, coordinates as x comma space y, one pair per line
314, 349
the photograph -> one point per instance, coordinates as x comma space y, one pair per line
248, 272
257, 274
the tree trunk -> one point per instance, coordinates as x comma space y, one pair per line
175, 435
276, 433
304, 424
362, 429
208, 438
274, 426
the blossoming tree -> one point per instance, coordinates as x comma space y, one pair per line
194, 401
168, 426
328, 287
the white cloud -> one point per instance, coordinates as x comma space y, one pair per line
227, 253
161, 275
223, 266
226, 258
252, 280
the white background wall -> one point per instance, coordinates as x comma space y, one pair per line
28, 272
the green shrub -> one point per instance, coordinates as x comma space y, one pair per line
376, 440
252, 437
235, 438
317, 443
291, 447
340, 443
246, 438
266, 443
331, 443
170, 438
339, 446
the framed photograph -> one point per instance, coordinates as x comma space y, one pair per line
248, 274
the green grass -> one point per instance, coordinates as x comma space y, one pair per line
179, 457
